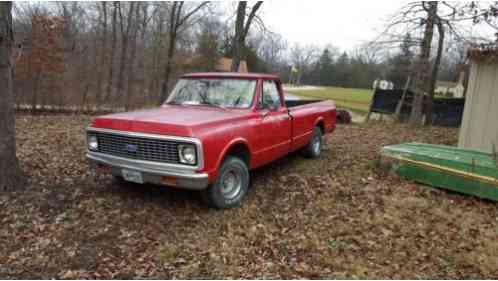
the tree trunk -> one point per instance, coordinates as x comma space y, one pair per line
156, 59
173, 29
175, 22
84, 102
435, 70
113, 49
103, 55
399, 106
36, 86
11, 176
167, 70
124, 48
422, 67
131, 61
238, 39
241, 29
141, 63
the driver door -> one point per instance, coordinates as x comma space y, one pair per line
274, 124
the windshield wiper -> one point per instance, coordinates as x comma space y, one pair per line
174, 103
206, 102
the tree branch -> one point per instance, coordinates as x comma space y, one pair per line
192, 12
250, 18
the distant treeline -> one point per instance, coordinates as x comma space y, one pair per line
114, 53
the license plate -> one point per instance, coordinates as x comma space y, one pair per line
132, 176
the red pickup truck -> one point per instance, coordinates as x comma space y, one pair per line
211, 131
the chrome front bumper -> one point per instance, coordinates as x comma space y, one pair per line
152, 172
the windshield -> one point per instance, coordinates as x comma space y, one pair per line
235, 93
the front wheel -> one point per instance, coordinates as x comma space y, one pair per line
314, 148
230, 186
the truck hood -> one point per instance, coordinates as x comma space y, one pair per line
173, 120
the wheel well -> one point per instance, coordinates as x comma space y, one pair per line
241, 151
321, 126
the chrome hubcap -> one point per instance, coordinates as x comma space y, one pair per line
316, 145
231, 184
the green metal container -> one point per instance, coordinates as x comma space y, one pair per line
466, 171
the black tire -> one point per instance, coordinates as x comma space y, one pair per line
118, 180
314, 148
232, 171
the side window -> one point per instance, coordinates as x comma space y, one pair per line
270, 95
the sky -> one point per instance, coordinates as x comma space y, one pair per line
344, 24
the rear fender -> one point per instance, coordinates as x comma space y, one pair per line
317, 123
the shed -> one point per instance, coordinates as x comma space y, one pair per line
479, 128
224, 65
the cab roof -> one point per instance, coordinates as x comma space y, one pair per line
230, 75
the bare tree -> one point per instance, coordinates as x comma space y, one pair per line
479, 12
11, 176
143, 56
302, 58
271, 50
411, 18
177, 20
435, 70
422, 65
242, 27
157, 43
125, 36
131, 61
112, 51
103, 53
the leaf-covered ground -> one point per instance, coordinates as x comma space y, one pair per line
336, 217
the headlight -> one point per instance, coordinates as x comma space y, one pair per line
93, 143
187, 154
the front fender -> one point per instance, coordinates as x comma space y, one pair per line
227, 147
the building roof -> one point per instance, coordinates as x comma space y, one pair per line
230, 75
484, 53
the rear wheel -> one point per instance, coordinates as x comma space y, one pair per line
230, 186
314, 148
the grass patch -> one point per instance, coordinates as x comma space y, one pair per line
354, 99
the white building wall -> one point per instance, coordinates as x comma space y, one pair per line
479, 128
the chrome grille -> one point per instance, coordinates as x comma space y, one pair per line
140, 148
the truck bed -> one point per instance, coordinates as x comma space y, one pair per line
294, 103
304, 114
